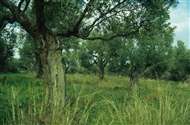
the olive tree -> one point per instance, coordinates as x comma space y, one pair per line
147, 55
180, 70
100, 53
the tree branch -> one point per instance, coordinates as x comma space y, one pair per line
27, 3
104, 65
101, 18
26, 6
111, 37
20, 4
40, 18
95, 24
6, 18
96, 63
19, 15
75, 29
103, 15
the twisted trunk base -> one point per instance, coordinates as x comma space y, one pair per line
50, 52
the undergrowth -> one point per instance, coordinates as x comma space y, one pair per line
94, 102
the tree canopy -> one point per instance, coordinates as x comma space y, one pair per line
122, 18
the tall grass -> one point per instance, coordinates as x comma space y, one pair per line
94, 102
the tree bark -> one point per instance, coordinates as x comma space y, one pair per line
39, 71
134, 77
134, 80
101, 73
50, 52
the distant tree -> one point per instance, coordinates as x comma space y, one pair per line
70, 53
87, 63
7, 44
29, 55
13, 66
26, 53
70, 56
6, 54
181, 64
70, 61
99, 53
147, 55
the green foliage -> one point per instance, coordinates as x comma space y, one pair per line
13, 66
63, 14
82, 18
27, 54
149, 53
70, 61
4, 12
104, 16
7, 44
70, 54
181, 64
99, 53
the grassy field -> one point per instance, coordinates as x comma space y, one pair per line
94, 102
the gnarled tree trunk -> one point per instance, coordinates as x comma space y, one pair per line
50, 52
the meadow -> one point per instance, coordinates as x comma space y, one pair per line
94, 102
